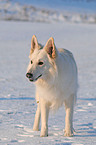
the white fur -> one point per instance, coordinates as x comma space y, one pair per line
57, 85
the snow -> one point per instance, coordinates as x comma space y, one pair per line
17, 94
68, 5
49, 11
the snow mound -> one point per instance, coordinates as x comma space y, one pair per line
17, 12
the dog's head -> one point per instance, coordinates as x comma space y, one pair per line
42, 60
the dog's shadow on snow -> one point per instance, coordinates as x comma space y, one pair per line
66, 143
86, 130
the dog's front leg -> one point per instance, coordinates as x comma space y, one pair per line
69, 105
37, 119
44, 117
38, 115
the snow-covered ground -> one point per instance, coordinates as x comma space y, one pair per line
78, 11
17, 94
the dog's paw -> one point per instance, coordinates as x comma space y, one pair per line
68, 133
44, 133
35, 129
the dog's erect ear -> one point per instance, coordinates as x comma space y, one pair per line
34, 44
50, 48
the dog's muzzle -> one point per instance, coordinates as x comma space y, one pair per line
30, 77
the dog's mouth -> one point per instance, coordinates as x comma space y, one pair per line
33, 80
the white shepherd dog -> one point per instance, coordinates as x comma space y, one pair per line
54, 72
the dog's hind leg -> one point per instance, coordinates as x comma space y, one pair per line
69, 106
37, 115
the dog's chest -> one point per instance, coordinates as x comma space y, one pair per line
50, 94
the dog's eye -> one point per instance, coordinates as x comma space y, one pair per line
40, 63
31, 61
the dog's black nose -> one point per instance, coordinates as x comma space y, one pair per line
29, 75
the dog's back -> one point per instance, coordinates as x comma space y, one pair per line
69, 72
